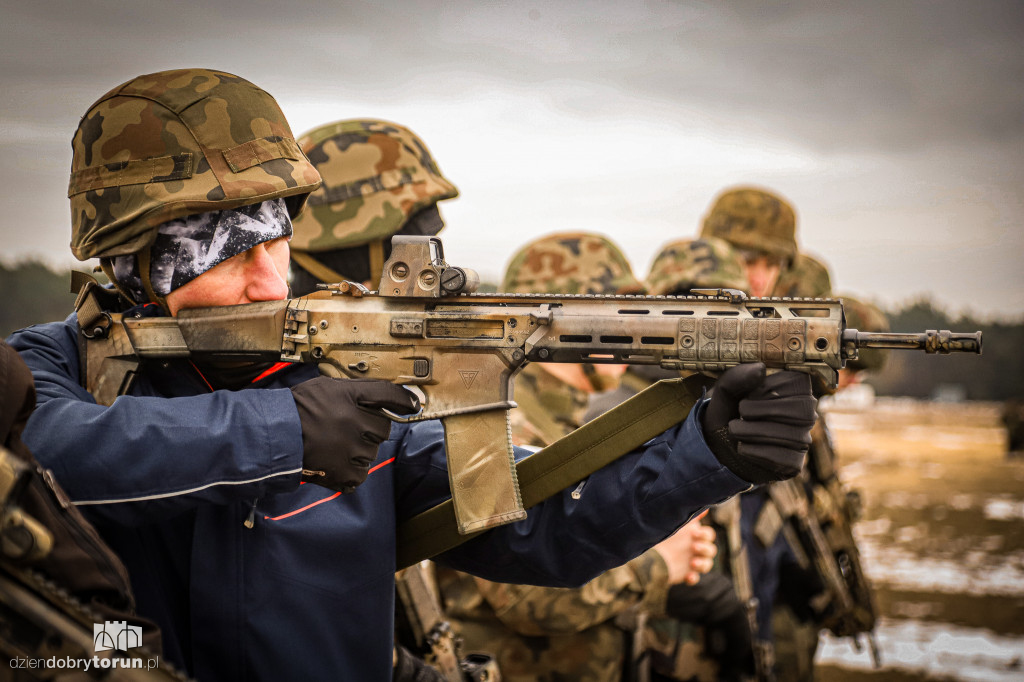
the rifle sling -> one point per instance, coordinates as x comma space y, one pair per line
565, 462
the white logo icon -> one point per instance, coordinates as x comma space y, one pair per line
116, 634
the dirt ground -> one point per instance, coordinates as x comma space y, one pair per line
942, 539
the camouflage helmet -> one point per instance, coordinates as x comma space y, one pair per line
755, 220
177, 143
865, 317
376, 175
686, 264
807, 277
570, 263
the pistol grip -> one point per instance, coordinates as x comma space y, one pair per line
481, 470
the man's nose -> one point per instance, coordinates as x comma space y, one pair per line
264, 282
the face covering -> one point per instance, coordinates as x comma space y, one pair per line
187, 247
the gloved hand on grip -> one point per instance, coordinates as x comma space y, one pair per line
759, 426
342, 425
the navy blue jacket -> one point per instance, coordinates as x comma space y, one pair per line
172, 473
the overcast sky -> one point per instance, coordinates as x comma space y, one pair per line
895, 128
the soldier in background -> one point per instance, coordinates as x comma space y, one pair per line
706, 632
379, 180
587, 633
796, 536
762, 227
808, 601
354, 215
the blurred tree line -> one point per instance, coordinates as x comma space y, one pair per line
996, 374
32, 292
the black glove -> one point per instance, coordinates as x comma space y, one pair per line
342, 425
760, 427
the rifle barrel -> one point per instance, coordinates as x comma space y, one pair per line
930, 341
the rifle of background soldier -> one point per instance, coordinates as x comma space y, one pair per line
461, 350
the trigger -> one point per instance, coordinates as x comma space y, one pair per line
421, 400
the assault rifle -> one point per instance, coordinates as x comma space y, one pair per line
817, 516
851, 611
461, 350
431, 632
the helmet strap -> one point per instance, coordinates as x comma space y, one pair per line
106, 265
147, 283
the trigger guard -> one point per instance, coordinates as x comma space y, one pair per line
404, 418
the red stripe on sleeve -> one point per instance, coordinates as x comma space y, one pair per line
326, 499
274, 368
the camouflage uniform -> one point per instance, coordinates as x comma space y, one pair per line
794, 636
759, 222
540, 633
379, 180
678, 649
548, 408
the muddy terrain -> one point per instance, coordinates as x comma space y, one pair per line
942, 538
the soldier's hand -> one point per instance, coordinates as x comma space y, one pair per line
704, 550
342, 426
760, 426
689, 552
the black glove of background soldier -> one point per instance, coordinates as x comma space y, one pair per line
759, 426
342, 425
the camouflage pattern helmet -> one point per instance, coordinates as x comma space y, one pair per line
177, 143
754, 220
685, 264
807, 277
865, 317
376, 175
570, 263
